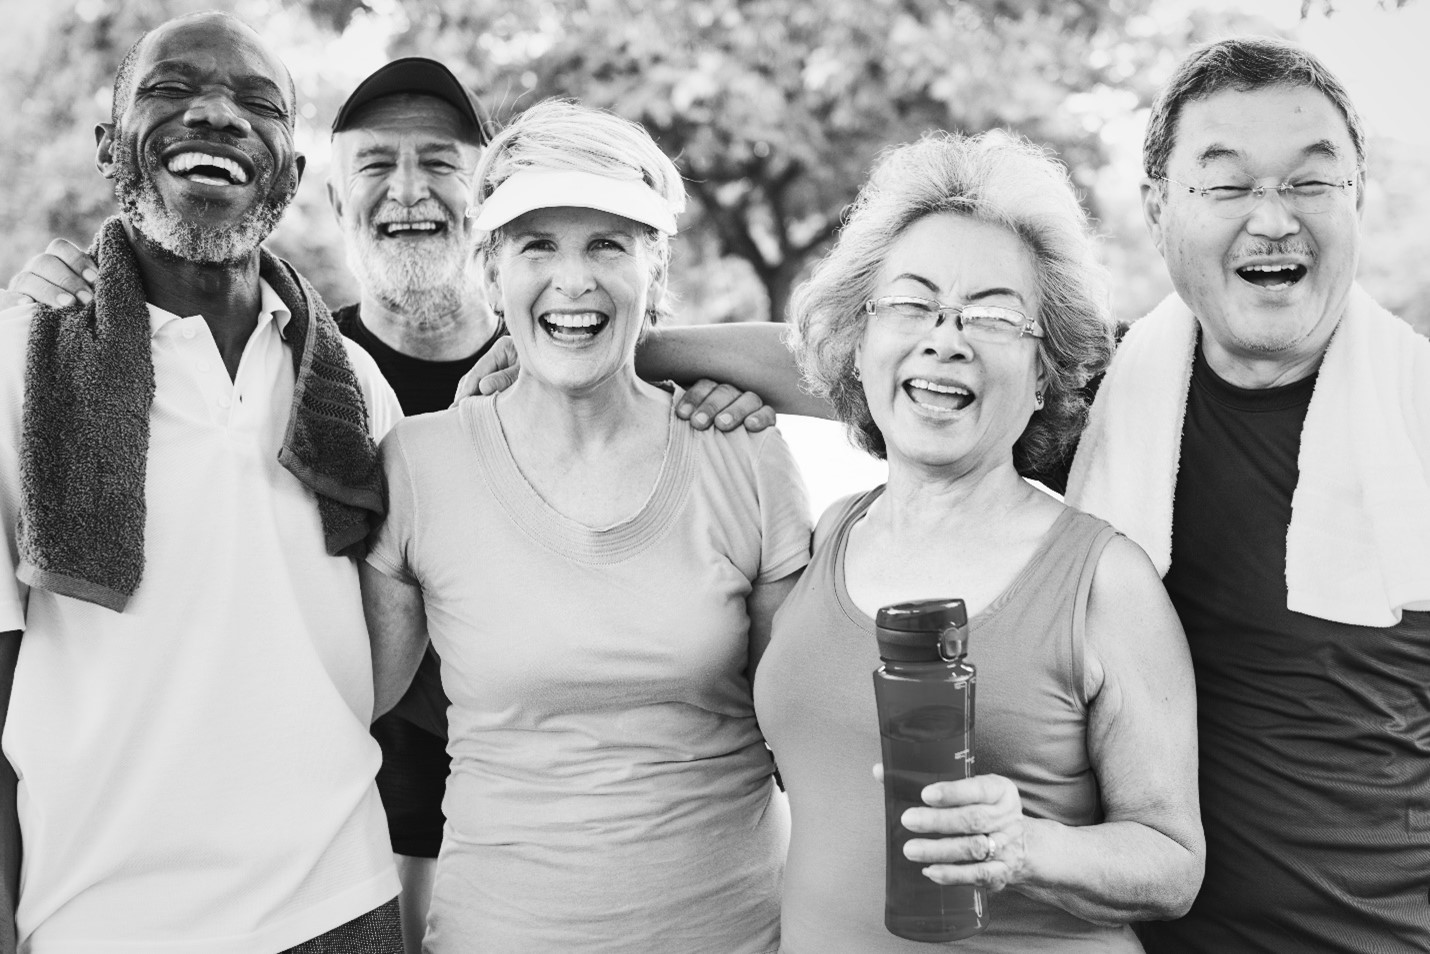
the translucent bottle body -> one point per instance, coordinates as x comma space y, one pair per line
926, 727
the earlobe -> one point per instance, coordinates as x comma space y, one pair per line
300, 162
335, 202
104, 149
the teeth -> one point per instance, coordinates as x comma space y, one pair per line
586, 319
1268, 268
938, 388
185, 161
394, 227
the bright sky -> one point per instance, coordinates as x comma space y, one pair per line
1378, 53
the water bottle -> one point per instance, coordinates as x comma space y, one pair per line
924, 693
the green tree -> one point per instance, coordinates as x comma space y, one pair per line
775, 110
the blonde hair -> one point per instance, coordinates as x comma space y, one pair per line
561, 134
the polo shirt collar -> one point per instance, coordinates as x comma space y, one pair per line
270, 308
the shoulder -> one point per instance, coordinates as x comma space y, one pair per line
1121, 564
15, 324
433, 433
741, 445
1129, 615
840, 513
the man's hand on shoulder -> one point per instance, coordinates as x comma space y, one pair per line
56, 277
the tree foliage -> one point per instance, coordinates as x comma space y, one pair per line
773, 109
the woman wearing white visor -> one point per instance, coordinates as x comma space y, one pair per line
599, 580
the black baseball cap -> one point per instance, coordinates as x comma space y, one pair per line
419, 75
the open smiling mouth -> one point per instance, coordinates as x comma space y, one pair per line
573, 327
207, 168
1272, 276
935, 395
421, 228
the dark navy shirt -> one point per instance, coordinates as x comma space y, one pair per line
1314, 736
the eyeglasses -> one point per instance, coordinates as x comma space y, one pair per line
977, 322
1234, 201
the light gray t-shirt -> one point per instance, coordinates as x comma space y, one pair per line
610, 788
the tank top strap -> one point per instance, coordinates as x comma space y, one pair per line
1043, 613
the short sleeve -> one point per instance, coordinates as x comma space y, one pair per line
390, 545
785, 525
14, 345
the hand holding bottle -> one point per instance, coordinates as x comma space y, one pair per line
984, 835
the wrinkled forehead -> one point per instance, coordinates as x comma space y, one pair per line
212, 47
1266, 126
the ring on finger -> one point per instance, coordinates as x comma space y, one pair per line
990, 847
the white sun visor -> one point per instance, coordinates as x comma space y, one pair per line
524, 191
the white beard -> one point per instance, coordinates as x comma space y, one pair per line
419, 280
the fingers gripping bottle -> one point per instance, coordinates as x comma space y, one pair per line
924, 693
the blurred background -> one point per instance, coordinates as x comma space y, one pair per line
773, 109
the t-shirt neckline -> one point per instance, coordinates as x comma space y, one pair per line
553, 529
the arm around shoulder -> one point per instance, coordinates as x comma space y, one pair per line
750, 355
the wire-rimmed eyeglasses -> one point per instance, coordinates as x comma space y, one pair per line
977, 322
1232, 201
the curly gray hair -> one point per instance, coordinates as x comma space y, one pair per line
998, 178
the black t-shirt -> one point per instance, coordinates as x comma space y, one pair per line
1314, 735
422, 386
413, 735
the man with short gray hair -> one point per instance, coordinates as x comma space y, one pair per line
1264, 435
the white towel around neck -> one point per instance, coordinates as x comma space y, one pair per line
1358, 548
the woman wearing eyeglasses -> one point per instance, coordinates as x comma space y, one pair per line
951, 328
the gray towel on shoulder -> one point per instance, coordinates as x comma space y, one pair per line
89, 385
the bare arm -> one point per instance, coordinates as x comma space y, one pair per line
760, 606
1145, 861
397, 630
749, 355
9, 818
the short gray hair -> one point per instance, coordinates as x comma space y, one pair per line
560, 134
998, 178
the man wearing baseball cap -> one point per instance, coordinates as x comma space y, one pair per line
405, 145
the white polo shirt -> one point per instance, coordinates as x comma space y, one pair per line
196, 773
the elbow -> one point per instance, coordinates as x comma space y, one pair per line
1180, 887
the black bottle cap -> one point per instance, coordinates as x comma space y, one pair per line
923, 631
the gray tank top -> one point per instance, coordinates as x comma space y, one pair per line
814, 699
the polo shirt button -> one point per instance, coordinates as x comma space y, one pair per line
189, 332
224, 401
